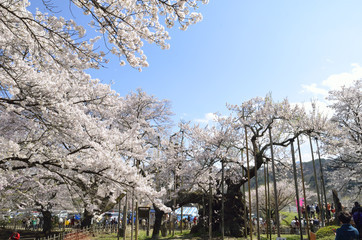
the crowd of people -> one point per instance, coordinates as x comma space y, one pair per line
351, 228
313, 211
33, 222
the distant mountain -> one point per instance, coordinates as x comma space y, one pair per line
308, 171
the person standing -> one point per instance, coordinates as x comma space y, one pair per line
357, 217
317, 211
303, 211
312, 211
33, 223
356, 207
60, 223
14, 236
293, 225
308, 211
333, 210
328, 210
37, 222
346, 231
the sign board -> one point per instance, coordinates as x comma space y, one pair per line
144, 212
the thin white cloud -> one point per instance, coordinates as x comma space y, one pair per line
328, 60
335, 81
208, 118
315, 90
321, 107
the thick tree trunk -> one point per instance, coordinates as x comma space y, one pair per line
47, 222
234, 212
234, 207
87, 219
158, 223
338, 206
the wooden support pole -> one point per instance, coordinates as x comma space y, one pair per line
256, 196
137, 221
315, 175
296, 188
132, 216
210, 204
124, 221
269, 213
324, 209
248, 166
222, 199
275, 185
266, 202
244, 198
304, 195
119, 218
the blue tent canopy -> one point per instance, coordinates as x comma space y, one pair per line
188, 211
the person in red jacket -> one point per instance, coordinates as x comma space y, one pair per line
14, 236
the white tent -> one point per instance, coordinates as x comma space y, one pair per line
188, 211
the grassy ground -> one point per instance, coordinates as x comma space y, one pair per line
142, 236
287, 218
287, 236
186, 235
4, 234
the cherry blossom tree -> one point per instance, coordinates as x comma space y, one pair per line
44, 37
222, 144
58, 121
123, 138
345, 142
286, 196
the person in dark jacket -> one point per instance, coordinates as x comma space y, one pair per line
346, 231
356, 207
357, 218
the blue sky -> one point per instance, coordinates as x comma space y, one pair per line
243, 49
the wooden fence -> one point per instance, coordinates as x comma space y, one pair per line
86, 234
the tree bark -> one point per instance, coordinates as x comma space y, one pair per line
234, 220
87, 219
158, 223
338, 206
234, 210
47, 222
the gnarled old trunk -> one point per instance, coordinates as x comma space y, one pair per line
158, 223
47, 222
338, 206
87, 219
234, 211
233, 208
